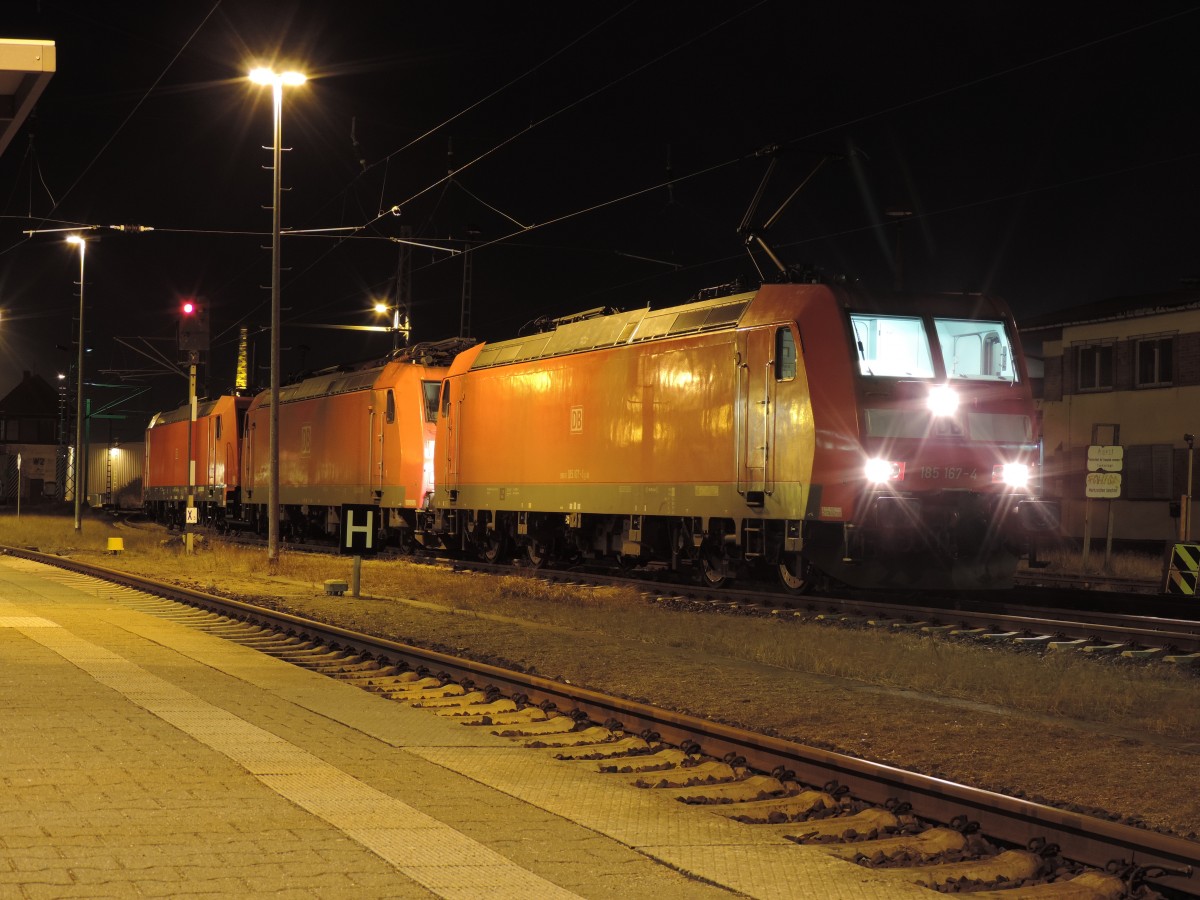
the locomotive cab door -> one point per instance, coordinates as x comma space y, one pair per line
450, 432
755, 414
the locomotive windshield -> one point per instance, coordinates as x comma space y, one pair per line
430, 389
892, 346
976, 349
899, 347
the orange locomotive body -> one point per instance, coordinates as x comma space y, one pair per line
801, 428
359, 436
215, 445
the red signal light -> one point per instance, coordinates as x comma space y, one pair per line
188, 307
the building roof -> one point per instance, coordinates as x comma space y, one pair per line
1113, 309
25, 69
33, 398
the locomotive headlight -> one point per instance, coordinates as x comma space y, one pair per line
943, 400
1015, 475
881, 471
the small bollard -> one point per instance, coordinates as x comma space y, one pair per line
335, 587
116, 545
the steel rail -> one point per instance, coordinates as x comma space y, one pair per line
1086, 839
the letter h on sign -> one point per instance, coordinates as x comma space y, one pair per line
359, 524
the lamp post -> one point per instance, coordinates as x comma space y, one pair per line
276, 81
79, 453
396, 327
1185, 507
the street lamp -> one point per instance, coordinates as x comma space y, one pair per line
82, 244
397, 327
276, 81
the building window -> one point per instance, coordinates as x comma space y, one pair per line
1148, 472
1155, 362
1096, 368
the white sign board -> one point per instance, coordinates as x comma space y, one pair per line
1103, 485
1105, 458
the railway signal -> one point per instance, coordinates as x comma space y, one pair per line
193, 340
193, 329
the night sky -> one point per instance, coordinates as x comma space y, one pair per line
603, 154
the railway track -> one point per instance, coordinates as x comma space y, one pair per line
1175, 641
981, 616
924, 830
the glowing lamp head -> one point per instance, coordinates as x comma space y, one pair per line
1013, 475
943, 400
263, 75
188, 307
881, 471
381, 307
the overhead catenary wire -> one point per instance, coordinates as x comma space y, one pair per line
523, 229
576, 102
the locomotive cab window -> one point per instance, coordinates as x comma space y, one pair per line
976, 349
785, 355
891, 346
390, 408
218, 427
446, 397
430, 389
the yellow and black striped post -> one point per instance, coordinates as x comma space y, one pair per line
1183, 570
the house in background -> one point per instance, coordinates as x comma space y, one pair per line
1125, 372
30, 427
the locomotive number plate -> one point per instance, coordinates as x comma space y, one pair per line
947, 473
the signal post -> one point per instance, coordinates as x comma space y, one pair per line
193, 339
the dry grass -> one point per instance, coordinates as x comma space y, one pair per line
1149, 699
1135, 566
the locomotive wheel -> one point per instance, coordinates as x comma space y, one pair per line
536, 553
406, 543
493, 547
795, 574
709, 571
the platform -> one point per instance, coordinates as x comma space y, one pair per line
143, 757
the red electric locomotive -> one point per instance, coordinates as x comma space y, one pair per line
215, 444
806, 429
361, 435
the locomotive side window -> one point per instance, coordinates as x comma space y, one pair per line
218, 418
430, 390
976, 349
390, 410
446, 397
785, 355
891, 346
